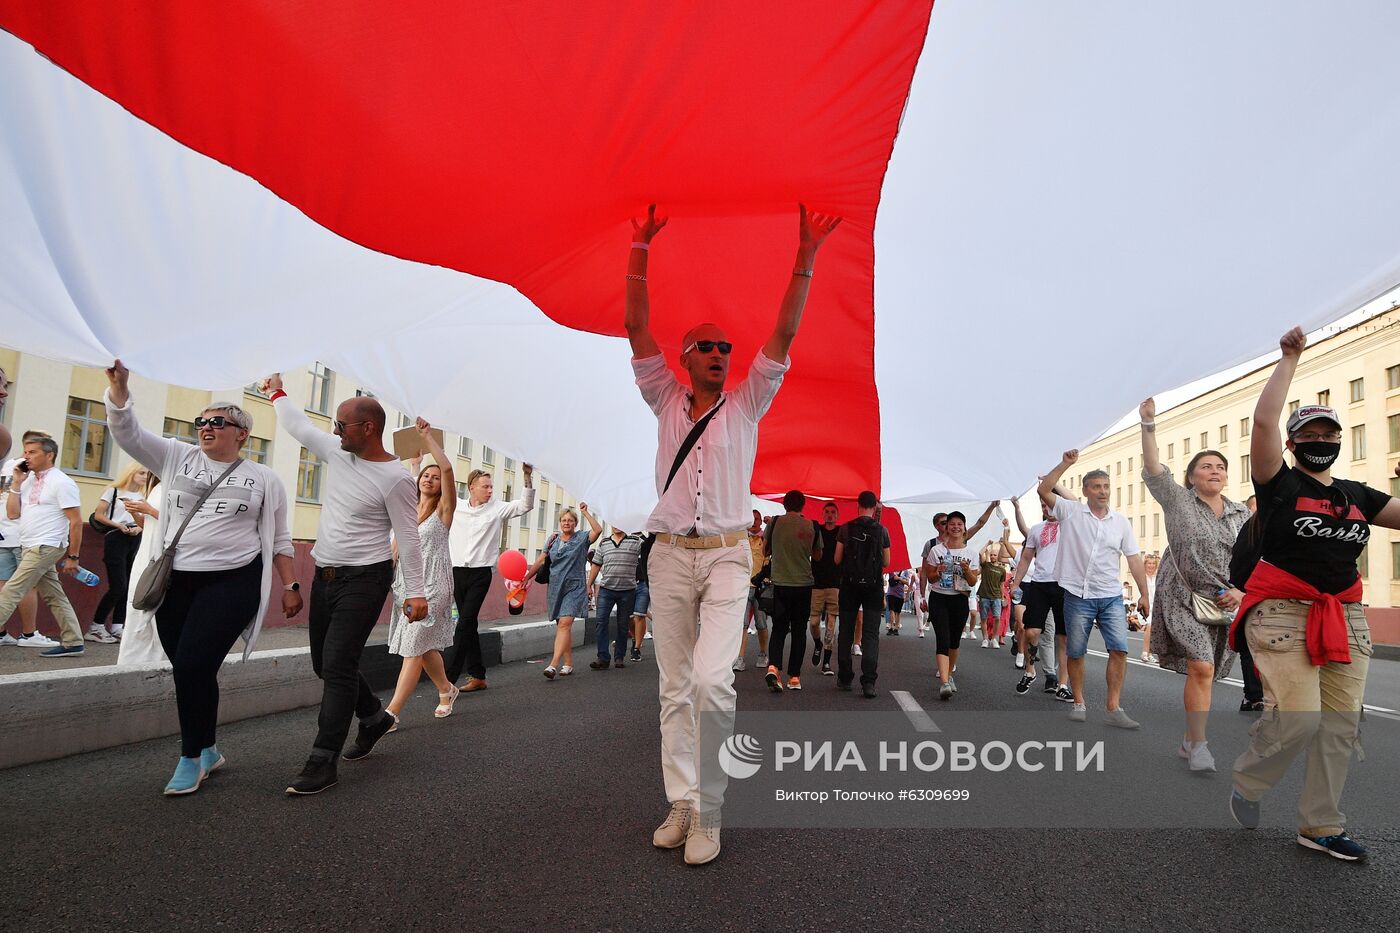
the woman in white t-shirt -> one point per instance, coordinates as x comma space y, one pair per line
223, 562
952, 569
120, 541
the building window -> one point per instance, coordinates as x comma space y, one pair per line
462, 493
509, 464
1395, 485
558, 507
405, 421
322, 385
1224, 433
1171, 451
309, 477
180, 430
1130, 470
1142, 526
488, 456
1156, 524
1142, 494
1392, 377
1185, 446
1395, 560
464, 447
544, 489
1292, 406
509, 494
256, 449
524, 523
1394, 423
1120, 468
505, 537
1130, 494
1358, 389
1244, 427
1244, 468
1205, 439
85, 447
1324, 397
1118, 499
540, 510
1358, 442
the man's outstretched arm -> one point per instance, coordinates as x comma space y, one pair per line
812, 230
638, 314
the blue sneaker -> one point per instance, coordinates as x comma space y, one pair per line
76, 651
1339, 846
1246, 812
210, 760
186, 779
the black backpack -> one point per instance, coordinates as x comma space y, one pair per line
863, 554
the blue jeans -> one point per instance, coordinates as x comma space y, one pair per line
643, 601
1082, 614
623, 600
991, 611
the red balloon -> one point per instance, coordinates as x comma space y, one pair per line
512, 565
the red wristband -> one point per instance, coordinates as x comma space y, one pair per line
276, 395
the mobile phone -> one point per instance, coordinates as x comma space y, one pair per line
23, 466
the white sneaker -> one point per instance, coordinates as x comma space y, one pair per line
855, 650
117, 629
36, 640
1020, 661
646, 637
921, 632
762, 661
986, 643
752, 630
100, 636
1197, 755
9, 641
738, 664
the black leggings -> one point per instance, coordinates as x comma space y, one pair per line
201, 617
947, 614
118, 554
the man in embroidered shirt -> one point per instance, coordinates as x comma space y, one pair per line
699, 566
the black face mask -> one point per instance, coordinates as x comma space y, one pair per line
1317, 455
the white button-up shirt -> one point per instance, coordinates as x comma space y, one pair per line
1089, 548
710, 493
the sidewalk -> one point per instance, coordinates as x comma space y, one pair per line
16, 660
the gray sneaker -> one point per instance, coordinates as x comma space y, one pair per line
762, 661
1198, 756
1120, 719
1078, 713
945, 692
739, 664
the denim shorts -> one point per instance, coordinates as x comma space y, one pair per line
1082, 614
9, 562
990, 608
643, 601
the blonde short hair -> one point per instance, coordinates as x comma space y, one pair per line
569, 511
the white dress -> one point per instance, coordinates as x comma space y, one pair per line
140, 641
434, 633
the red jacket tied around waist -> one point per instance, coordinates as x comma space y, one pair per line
1327, 636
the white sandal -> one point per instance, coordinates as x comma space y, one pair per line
566, 670
549, 672
445, 701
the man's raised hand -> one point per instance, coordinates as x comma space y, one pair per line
1070, 458
1293, 342
271, 384
813, 227
644, 231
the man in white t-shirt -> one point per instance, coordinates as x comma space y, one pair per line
48, 508
1092, 539
29, 636
366, 494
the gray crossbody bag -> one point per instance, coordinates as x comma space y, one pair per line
155, 579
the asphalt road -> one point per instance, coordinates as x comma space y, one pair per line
534, 805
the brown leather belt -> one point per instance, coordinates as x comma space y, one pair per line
702, 542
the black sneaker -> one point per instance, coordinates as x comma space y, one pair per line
1051, 684
868, 691
318, 775
1339, 846
1023, 686
1246, 812
817, 655
636, 654
826, 670
368, 735
1251, 706
1064, 694
842, 685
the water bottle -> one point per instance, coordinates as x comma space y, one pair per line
454, 615
87, 577
1016, 596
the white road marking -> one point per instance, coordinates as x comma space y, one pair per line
921, 720
1383, 711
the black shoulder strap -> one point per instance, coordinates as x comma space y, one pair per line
112, 507
689, 443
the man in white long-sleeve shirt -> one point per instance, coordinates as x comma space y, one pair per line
698, 569
366, 493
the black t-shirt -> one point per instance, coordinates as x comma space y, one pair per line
863, 543
648, 540
1317, 532
825, 571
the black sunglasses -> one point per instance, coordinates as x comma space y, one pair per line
218, 421
705, 346
342, 425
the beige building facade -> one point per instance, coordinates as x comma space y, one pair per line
1356, 371
66, 402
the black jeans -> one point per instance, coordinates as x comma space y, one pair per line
791, 607
345, 604
201, 617
853, 598
469, 588
1253, 686
118, 554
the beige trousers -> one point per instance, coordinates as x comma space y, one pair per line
1317, 708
